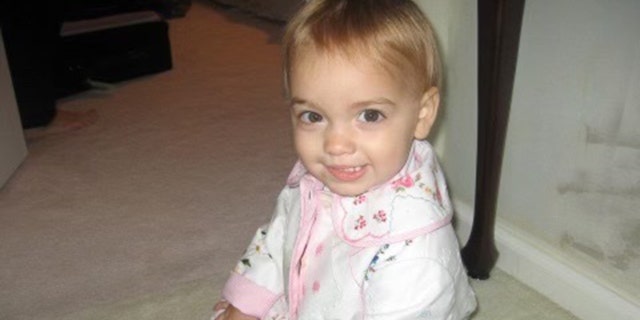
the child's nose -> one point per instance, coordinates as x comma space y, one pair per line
338, 141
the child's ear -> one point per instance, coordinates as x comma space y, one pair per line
428, 113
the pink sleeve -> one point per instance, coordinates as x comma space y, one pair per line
257, 283
248, 297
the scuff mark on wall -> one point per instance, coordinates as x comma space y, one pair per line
603, 127
571, 174
584, 184
633, 236
610, 127
601, 189
594, 252
622, 260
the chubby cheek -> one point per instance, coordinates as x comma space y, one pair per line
391, 160
388, 155
307, 147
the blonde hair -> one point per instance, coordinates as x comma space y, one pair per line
394, 33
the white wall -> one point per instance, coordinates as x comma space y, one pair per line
571, 172
12, 146
455, 138
569, 202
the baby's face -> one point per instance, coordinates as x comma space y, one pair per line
353, 123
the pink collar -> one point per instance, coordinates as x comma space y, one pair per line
413, 203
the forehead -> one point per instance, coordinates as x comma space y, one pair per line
367, 60
309, 59
335, 81
338, 67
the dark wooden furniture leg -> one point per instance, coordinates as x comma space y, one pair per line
499, 23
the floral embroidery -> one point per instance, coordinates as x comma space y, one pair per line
360, 223
428, 190
359, 199
438, 195
401, 183
254, 251
371, 268
380, 216
374, 261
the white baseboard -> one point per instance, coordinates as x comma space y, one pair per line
542, 268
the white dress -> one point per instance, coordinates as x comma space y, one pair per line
390, 253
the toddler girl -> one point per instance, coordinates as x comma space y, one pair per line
362, 229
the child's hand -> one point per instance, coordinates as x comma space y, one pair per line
219, 309
225, 311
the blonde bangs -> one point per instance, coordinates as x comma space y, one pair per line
394, 34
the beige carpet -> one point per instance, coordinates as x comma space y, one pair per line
142, 215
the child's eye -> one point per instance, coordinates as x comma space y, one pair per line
310, 117
370, 115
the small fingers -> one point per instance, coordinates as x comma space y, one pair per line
219, 314
221, 305
220, 310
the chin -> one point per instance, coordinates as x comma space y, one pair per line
346, 191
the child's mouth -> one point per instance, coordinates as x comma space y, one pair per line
346, 174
